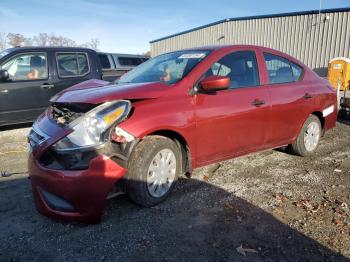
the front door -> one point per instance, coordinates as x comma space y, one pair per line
25, 95
234, 121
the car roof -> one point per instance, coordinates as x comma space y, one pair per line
124, 55
264, 49
36, 48
217, 47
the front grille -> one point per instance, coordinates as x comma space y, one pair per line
78, 160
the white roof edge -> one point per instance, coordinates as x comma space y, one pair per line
340, 58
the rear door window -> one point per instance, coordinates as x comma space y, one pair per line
83, 65
281, 70
297, 71
72, 64
29, 66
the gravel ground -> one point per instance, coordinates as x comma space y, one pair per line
269, 206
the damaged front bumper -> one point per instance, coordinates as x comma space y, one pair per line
77, 195
73, 194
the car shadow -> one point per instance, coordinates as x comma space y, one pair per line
343, 116
16, 126
198, 222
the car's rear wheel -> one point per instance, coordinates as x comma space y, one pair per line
153, 169
308, 138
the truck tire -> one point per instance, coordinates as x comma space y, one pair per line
153, 169
308, 138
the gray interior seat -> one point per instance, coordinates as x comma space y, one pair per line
283, 75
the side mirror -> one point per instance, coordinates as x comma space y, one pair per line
4, 75
214, 83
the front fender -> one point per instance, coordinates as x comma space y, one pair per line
175, 114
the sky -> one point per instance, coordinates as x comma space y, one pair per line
127, 26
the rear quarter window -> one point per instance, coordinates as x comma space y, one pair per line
129, 61
106, 61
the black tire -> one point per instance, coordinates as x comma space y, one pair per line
139, 162
299, 147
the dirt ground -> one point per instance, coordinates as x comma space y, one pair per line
269, 206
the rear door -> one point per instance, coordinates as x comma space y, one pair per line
290, 98
70, 68
26, 94
234, 121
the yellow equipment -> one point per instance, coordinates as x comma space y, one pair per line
339, 71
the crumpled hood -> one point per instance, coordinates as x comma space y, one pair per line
98, 91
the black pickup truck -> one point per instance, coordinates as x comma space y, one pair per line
30, 76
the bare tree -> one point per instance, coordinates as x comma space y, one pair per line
28, 41
15, 39
57, 40
65, 41
42, 39
2, 41
94, 43
54, 40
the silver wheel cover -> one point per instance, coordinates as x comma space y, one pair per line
312, 136
161, 173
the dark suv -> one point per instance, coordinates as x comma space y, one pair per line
30, 76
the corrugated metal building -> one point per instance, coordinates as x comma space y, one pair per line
313, 37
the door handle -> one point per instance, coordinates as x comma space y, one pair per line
47, 86
307, 96
4, 91
258, 102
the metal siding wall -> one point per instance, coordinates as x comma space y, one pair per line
302, 36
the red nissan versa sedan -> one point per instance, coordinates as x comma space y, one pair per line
175, 112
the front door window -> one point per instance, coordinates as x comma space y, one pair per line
241, 67
24, 67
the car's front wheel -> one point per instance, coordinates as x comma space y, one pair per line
308, 138
153, 169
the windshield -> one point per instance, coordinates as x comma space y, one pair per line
168, 68
3, 53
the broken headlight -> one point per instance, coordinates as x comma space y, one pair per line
89, 129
